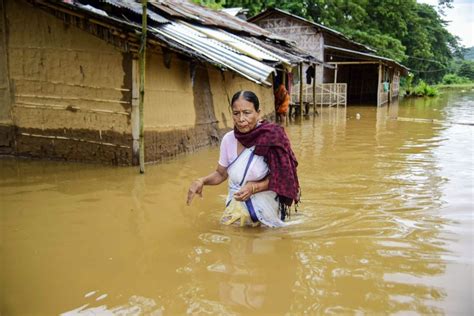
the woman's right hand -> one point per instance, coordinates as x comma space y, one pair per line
195, 188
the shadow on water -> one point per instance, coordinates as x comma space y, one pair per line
384, 226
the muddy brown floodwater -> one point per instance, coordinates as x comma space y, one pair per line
385, 226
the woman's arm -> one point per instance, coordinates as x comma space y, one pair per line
214, 178
250, 188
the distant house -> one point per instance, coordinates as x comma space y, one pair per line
369, 78
69, 77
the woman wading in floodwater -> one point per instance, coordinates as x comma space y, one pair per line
257, 159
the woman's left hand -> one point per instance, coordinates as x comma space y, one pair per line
244, 193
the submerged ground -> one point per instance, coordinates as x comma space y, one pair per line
385, 226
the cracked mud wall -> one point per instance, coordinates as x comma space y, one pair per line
72, 94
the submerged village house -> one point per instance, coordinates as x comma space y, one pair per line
359, 76
69, 77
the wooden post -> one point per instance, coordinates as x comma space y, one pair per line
322, 96
287, 116
379, 84
390, 92
135, 113
142, 58
314, 91
301, 88
334, 87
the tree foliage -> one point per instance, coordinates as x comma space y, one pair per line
469, 53
466, 69
412, 33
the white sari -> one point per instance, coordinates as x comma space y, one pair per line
262, 207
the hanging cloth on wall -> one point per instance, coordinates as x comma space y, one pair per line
309, 74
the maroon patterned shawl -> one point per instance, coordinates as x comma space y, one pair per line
272, 143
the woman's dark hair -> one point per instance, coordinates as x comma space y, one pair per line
248, 96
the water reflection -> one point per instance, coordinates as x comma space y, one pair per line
377, 235
236, 268
385, 227
136, 305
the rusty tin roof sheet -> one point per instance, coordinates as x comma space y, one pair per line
216, 50
136, 8
367, 56
201, 35
183, 9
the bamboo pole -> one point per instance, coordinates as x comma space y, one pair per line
135, 115
301, 89
322, 96
142, 58
334, 94
56, 107
314, 91
74, 139
379, 84
62, 98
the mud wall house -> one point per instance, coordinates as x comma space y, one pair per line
69, 78
369, 78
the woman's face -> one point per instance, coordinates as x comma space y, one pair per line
244, 115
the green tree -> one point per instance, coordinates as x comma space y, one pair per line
409, 32
213, 4
466, 69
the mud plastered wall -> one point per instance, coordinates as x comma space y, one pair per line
6, 127
179, 107
72, 97
187, 105
223, 87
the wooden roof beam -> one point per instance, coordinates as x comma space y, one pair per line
352, 62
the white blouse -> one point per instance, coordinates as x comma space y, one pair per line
228, 153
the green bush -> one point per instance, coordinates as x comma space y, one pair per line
454, 79
406, 83
422, 89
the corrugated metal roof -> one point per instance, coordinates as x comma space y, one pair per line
218, 51
367, 55
244, 54
186, 10
136, 8
243, 46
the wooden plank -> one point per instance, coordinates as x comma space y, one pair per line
352, 62
74, 139
135, 120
